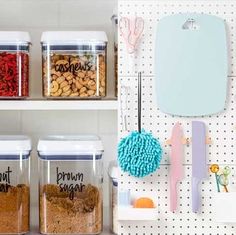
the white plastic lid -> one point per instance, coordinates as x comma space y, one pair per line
66, 145
14, 37
59, 37
113, 170
14, 144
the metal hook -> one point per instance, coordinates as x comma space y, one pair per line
139, 100
190, 24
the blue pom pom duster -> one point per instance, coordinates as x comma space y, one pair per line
139, 153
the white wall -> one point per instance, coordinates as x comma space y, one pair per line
36, 16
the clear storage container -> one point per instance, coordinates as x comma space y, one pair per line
74, 64
114, 19
113, 189
14, 64
71, 175
14, 184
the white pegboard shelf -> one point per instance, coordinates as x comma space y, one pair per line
37, 104
134, 214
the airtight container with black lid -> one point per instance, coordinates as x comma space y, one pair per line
74, 64
14, 184
71, 175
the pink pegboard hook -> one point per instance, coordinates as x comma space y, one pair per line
131, 31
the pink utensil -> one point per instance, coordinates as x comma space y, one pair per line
176, 161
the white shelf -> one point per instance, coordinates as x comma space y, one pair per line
58, 104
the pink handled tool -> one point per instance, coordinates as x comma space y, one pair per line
176, 161
131, 31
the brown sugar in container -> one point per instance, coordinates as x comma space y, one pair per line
14, 184
70, 186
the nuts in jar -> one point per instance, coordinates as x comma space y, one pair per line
75, 76
74, 71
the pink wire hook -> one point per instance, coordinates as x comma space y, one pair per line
131, 32
138, 30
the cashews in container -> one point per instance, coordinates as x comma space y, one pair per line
57, 93
75, 76
74, 64
54, 86
60, 80
63, 84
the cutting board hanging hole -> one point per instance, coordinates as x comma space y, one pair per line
191, 24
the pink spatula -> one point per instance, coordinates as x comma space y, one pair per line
176, 161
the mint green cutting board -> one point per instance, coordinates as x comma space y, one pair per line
191, 64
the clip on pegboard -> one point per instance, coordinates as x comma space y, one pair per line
188, 141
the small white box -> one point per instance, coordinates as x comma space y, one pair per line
224, 207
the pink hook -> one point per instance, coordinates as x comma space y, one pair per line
131, 31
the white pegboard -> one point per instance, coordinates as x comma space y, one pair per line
221, 127
183, 221
153, 11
